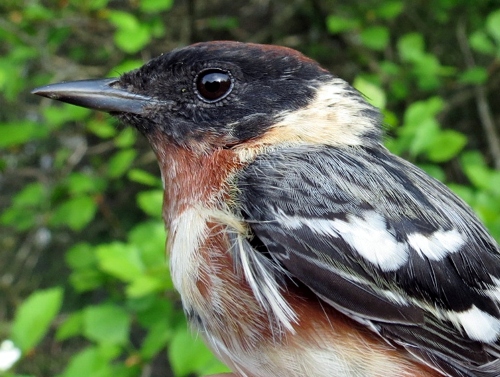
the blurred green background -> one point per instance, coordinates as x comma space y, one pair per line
84, 286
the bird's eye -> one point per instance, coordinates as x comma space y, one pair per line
213, 85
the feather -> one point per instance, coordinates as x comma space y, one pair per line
384, 243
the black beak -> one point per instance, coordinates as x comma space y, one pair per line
97, 94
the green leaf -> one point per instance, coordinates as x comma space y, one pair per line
390, 119
72, 326
37, 12
337, 24
473, 158
86, 279
80, 183
131, 36
33, 317
475, 75
120, 260
57, 115
373, 93
84, 363
132, 41
149, 237
424, 136
427, 70
188, 354
151, 202
144, 285
480, 42
14, 61
121, 162
97, 4
487, 206
376, 37
156, 339
19, 218
92, 362
493, 25
400, 89
123, 20
126, 138
109, 324
157, 27
420, 126
411, 47
32, 195
434, 171
223, 23
214, 367
476, 169
75, 213
420, 110
446, 146
125, 66
495, 182
153, 309
143, 177
101, 127
390, 9
390, 68
464, 192
152, 6
81, 256
20, 132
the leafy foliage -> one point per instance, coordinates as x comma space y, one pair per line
34, 316
84, 288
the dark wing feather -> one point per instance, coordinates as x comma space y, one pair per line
314, 209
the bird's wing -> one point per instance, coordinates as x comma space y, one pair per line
381, 241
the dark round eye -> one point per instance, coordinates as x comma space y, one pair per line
213, 84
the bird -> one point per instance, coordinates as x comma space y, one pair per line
299, 244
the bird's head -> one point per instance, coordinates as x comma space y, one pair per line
227, 94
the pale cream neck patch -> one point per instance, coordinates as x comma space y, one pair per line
338, 116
